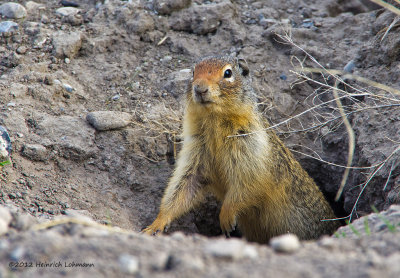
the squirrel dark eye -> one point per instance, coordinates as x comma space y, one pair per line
228, 73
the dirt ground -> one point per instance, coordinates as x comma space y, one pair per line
134, 58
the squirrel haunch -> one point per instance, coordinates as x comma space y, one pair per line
263, 189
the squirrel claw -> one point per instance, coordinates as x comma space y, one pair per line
150, 231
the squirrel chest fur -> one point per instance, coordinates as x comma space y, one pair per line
226, 151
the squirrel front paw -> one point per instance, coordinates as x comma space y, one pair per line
227, 220
157, 227
151, 230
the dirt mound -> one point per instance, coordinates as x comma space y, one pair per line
75, 245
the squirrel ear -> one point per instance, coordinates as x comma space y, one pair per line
243, 66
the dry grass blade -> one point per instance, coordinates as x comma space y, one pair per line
353, 77
67, 220
387, 6
365, 184
352, 144
395, 20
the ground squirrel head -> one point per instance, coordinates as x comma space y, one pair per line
218, 80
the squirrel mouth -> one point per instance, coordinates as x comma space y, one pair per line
201, 99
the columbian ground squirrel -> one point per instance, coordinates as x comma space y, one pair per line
263, 189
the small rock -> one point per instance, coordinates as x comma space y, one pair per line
283, 77
286, 243
83, 215
70, 137
107, 120
35, 152
203, 19
5, 215
32, 6
177, 82
4, 244
23, 222
67, 44
116, 97
231, 249
17, 253
159, 261
8, 27
141, 23
129, 264
179, 236
5, 144
166, 59
66, 3
307, 23
67, 11
3, 227
93, 232
186, 261
13, 10
166, 7
22, 49
327, 242
349, 67
68, 87
67, 60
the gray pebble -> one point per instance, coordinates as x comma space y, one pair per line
66, 3
166, 7
327, 242
17, 253
68, 87
177, 82
83, 215
116, 97
70, 137
231, 249
8, 27
32, 6
5, 215
166, 59
128, 263
286, 243
22, 49
5, 144
67, 11
13, 10
66, 45
23, 222
4, 245
159, 261
349, 67
5, 219
108, 120
3, 227
35, 152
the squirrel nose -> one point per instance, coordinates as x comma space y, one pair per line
200, 89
